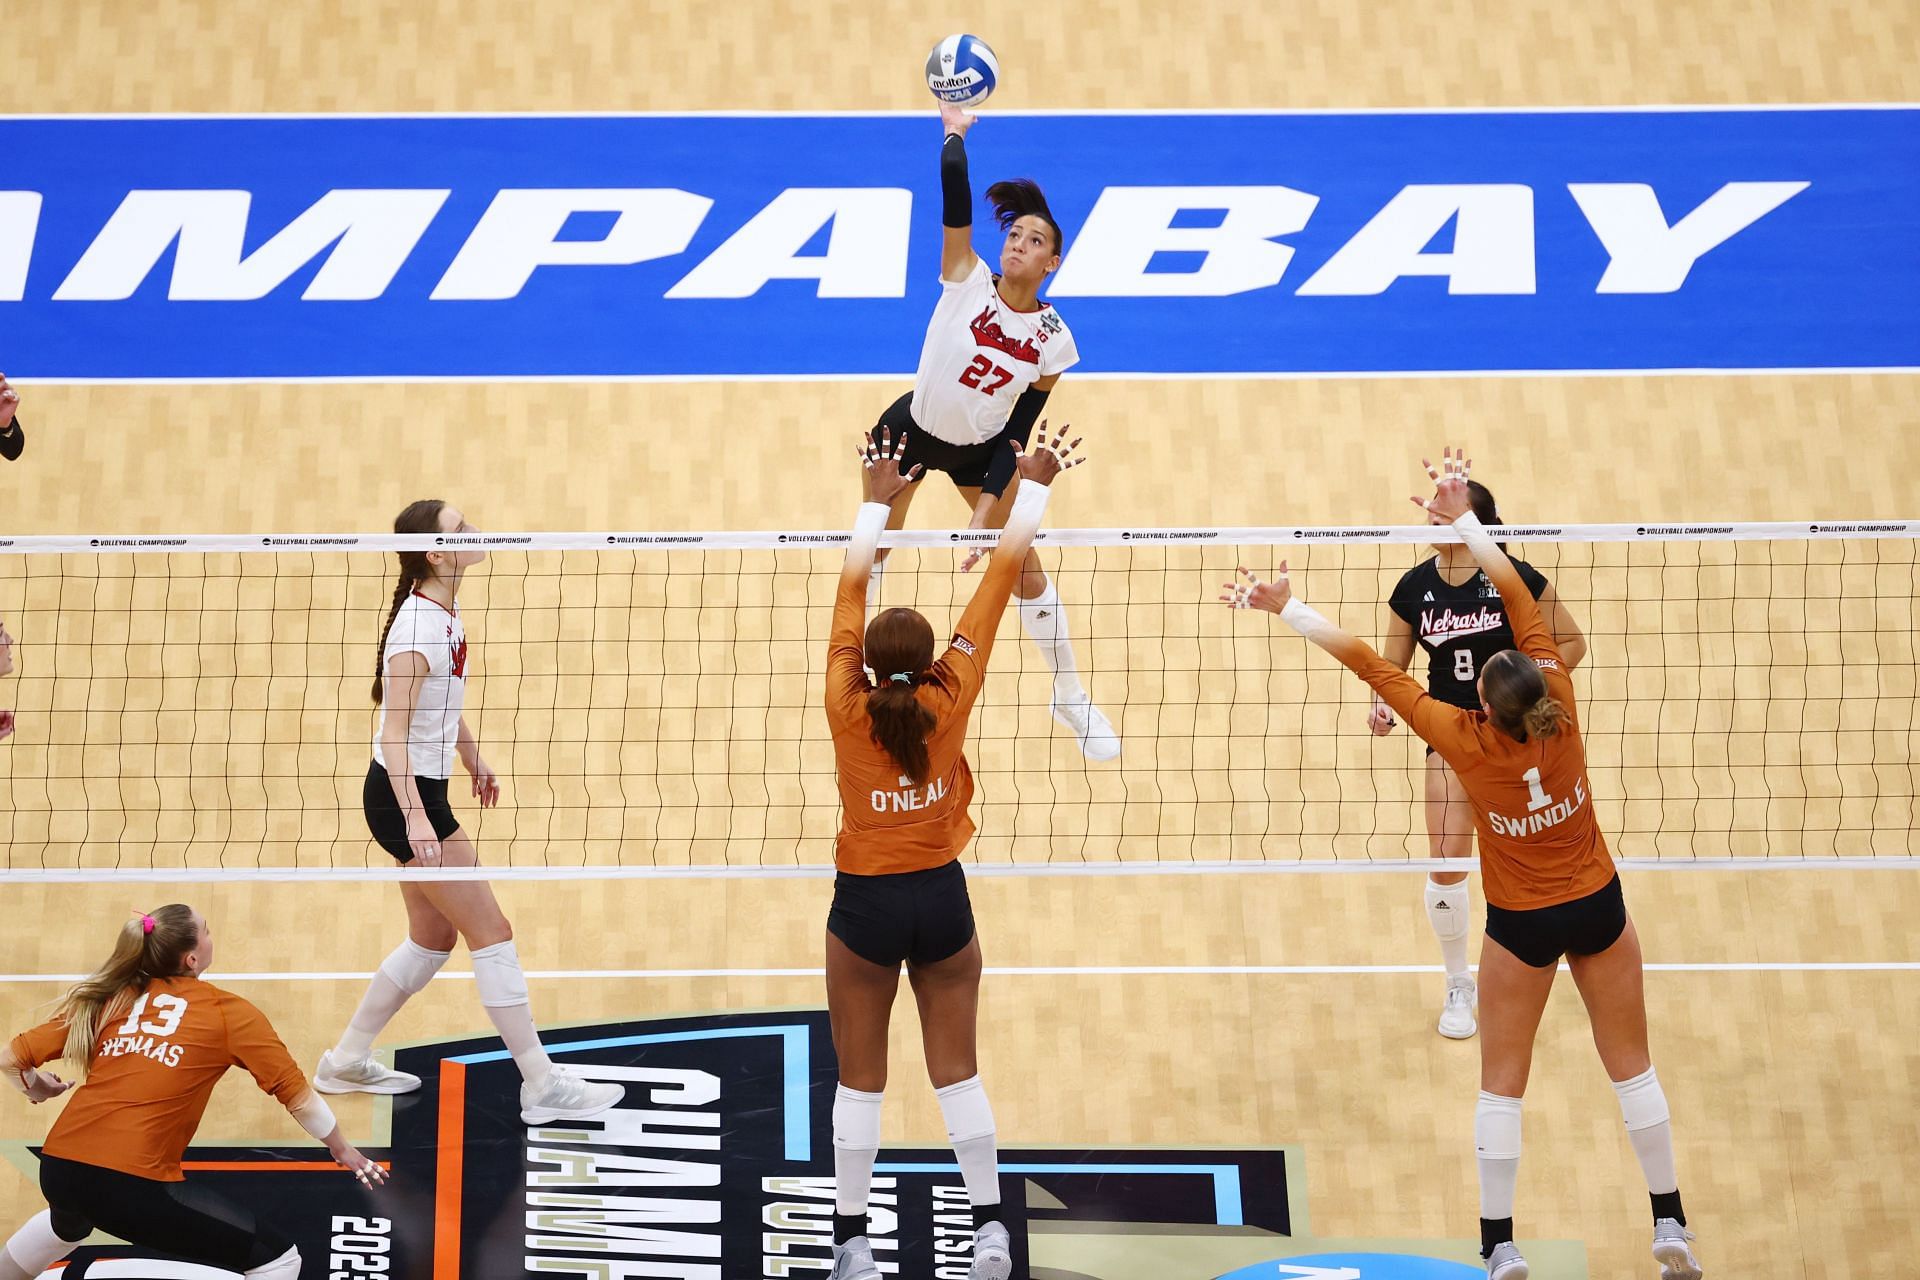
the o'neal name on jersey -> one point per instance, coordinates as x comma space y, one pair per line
1459, 627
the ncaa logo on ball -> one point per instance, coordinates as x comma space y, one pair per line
962, 70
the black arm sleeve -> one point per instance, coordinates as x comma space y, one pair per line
13, 440
1026, 411
956, 193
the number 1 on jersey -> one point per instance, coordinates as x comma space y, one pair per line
1537, 798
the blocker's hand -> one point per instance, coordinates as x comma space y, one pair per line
1049, 457
956, 120
1450, 498
881, 478
1255, 594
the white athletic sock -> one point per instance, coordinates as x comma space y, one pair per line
1643, 1104
856, 1144
1496, 1140
284, 1267
1046, 621
873, 584
975, 1144
403, 974
33, 1248
1449, 909
503, 993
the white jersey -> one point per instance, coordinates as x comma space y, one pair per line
979, 355
436, 633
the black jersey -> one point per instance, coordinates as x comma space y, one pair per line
1459, 627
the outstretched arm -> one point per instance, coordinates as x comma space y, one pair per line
1450, 502
1426, 715
956, 197
881, 483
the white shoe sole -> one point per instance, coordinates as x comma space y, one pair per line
1455, 1033
547, 1115
1676, 1262
998, 1268
396, 1082
1087, 749
1516, 1270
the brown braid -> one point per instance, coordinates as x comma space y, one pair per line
419, 517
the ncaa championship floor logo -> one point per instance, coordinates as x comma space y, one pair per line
718, 1166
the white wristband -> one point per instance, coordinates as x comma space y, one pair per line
1475, 535
315, 1116
1307, 620
867, 528
1029, 505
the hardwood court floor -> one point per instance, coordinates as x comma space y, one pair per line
1793, 1090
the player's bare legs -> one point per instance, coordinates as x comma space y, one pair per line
1449, 816
1613, 985
860, 998
1045, 619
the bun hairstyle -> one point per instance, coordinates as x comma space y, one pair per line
1019, 198
148, 946
419, 517
899, 648
1517, 699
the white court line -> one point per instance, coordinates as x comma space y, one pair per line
1376, 866
1640, 108
1045, 971
1118, 375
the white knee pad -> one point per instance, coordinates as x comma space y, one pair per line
1643, 1103
1450, 909
856, 1119
1496, 1127
497, 973
411, 966
35, 1246
965, 1108
284, 1267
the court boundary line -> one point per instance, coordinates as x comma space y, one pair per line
1041, 971
743, 113
1037, 870
1129, 375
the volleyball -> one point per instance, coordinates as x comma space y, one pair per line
962, 70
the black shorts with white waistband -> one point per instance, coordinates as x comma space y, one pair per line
988, 466
184, 1218
388, 822
1584, 927
911, 917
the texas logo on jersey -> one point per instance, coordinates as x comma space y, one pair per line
988, 333
718, 1165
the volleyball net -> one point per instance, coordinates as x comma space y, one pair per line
652, 702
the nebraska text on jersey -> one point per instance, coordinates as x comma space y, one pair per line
1438, 628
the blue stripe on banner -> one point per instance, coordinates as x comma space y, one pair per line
768, 246
797, 1065
1229, 1209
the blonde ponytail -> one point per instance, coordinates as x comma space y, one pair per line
149, 946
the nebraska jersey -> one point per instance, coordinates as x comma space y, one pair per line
979, 355
435, 632
152, 1070
1459, 627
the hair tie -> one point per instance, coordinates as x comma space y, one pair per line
901, 677
146, 924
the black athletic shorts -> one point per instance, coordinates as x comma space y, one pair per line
913, 917
1584, 927
989, 466
182, 1218
388, 821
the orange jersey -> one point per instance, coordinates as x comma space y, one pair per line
888, 825
152, 1069
1532, 804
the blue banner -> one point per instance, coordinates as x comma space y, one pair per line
778, 246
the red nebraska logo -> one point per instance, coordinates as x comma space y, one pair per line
988, 333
